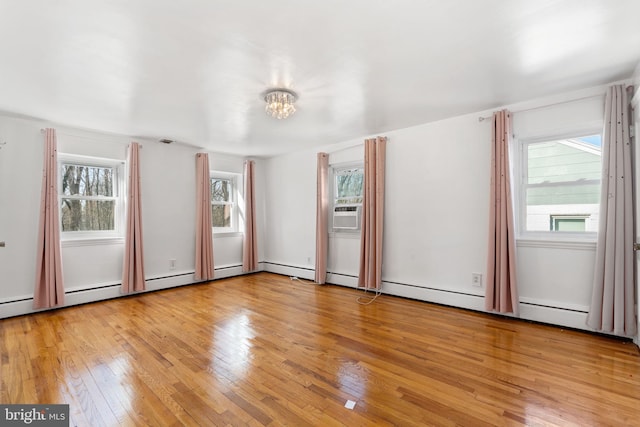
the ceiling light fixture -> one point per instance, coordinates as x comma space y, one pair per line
280, 103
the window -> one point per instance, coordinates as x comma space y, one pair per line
347, 198
348, 186
568, 222
560, 185
90, 197
224, 212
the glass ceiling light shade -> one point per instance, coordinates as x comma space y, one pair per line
280, 103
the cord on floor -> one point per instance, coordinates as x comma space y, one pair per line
302, 280
359, 300
368, 300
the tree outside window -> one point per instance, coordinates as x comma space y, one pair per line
222, 202
348, 186
88, 198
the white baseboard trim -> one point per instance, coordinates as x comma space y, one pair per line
421, 293
555, 316
101, 291
565, 315
290, 270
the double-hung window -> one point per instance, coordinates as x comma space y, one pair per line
348, 183
560, 186
90, 197
224, 202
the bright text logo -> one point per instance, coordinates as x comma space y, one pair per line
34, 415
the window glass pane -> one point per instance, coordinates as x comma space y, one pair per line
87, 215
220, 190
349, 186
568, 224
221, 215
87, 181
563, 160
562, 184
564, 195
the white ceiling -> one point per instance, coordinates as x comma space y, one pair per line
194, 71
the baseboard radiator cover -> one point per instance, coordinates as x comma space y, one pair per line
570, 316
17, 306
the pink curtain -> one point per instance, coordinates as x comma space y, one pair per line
250, 243
322, 217
501, 291
49, 288
204, 237
613, 297
133, 268
370, 276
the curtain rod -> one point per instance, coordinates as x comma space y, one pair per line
482, 119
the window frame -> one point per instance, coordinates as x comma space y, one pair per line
235, 180
554, 218
118, 197
520, 172
336, 169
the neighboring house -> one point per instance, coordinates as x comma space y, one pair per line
563, 185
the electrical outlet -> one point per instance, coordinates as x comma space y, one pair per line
172, 264
308, 260
476, 280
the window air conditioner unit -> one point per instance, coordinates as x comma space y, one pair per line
346, 217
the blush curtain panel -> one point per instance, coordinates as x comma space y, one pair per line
501, 291
370, 275
204, 237
250, 240
49, 287
133, 266
322, 218
613, 295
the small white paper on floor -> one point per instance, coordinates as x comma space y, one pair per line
350, 404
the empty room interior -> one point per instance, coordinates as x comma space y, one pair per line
319, 213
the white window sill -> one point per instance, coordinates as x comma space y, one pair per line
579, 244
217, 234
345, 234
92, 241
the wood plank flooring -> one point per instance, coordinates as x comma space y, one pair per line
265, 350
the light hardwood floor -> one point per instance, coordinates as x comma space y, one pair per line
265, 350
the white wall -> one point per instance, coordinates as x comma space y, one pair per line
20, 170
168, 207
436, 214
291, 208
